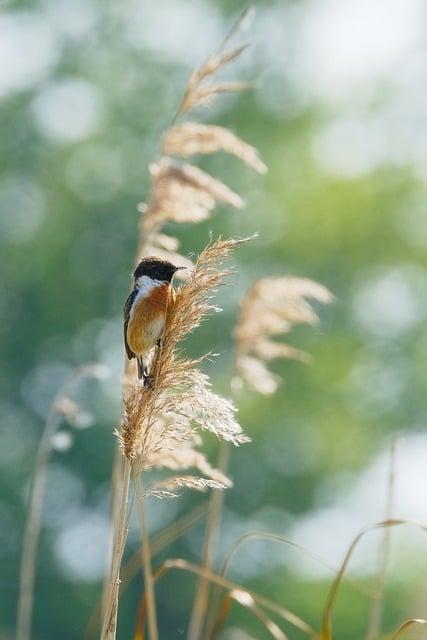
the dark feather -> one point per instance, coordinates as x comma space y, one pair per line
128, 306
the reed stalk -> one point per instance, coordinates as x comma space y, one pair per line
181, 192
158, 542
374, 627
146, 563
213, 525
271, 306
224, 583
330, 601
33, 526
60, 408
109, 628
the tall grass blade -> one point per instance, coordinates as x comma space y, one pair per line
327, 612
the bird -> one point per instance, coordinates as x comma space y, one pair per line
145, 310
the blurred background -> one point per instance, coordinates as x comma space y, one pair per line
339, 115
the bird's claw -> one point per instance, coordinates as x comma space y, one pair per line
148, 381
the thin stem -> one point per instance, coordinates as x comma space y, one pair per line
235, 591
158, 542
406, 625
146, 561
33, 526
112, 599
213, 524
327, 611
224, 583
35, 507
274, 538
377, 606
117, 469
116, 478
245, 600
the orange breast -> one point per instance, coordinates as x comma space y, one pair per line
147, 320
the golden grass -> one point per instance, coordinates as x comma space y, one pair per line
330, 601
161, 425
181, 393
252, 600
183, 565
216, 611
180, 192
159, 541
407, 625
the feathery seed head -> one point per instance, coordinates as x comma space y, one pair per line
191, 138
166, 417
271, 307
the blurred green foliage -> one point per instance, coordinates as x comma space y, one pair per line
79, 127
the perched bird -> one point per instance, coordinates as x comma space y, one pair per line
145, 309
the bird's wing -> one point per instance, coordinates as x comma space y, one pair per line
126, 310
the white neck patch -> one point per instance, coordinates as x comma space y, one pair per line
145, 284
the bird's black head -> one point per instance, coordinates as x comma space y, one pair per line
155, 268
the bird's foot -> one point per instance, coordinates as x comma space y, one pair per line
148, 380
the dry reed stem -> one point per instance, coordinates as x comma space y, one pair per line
62, 406
201, 599
406, 625
218, 622
327, 612
109, 628
224, 583
236, 595
146, 563
158, 542
213, 622
33, 528
272, 306
192, 301
245, 600
272, 537
116, 492
374, 627
180, 392
182, 192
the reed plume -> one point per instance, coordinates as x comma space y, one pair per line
156, 421
181, 192
272, 307
167, 416
191, 138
